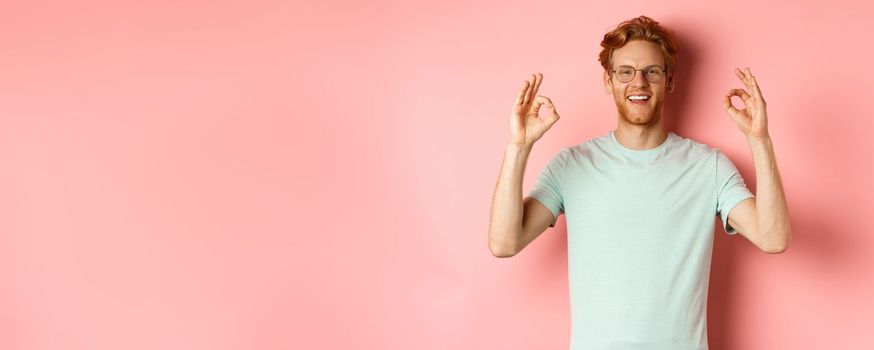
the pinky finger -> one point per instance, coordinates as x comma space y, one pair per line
521, 93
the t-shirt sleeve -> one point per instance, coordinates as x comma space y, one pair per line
548, 188
731, 189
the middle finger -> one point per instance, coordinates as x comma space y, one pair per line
537, 79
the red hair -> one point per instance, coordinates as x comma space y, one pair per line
640, 28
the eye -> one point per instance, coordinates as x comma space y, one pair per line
624, 71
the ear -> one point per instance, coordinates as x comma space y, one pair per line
608, 83
670, 83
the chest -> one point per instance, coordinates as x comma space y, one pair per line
634, 198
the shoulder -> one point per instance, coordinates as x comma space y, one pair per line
588, 148
693, 149
712, 156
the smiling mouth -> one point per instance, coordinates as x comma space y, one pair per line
639, 99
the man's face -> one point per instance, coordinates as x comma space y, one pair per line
638, 54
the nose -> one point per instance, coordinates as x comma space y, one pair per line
639, 79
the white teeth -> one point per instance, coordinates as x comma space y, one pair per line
636, 97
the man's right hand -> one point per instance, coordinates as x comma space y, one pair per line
526, 127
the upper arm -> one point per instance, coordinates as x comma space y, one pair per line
743, 218
536, 218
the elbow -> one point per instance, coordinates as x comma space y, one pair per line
501, 250
780, 247
503, 254
776, 249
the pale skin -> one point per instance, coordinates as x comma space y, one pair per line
763, 220
639, 126
515, 222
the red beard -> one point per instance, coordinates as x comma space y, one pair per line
639, 115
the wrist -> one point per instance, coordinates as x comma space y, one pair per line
526, 147
759, 140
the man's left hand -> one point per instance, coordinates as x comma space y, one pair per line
753, 119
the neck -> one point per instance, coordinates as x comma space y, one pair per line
640, 137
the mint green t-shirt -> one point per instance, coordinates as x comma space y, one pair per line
640, 227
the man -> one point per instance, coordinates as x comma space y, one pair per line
640, 202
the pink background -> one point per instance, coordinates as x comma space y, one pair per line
275, 175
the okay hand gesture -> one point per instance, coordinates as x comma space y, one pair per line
526, 124
753, 119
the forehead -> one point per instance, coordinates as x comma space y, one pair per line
638, 53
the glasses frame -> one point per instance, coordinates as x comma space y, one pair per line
664, 73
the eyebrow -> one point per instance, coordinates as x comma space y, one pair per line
651, 64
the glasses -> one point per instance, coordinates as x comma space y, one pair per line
653, 74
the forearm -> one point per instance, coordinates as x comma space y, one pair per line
772, 213
505, 224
